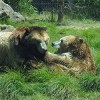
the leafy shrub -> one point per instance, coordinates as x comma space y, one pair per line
21, 6
26, 7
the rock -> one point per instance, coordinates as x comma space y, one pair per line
3, 14
6, 10
18, 17
6, 28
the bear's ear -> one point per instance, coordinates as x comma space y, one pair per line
81, 40
18, 35
28, 29
44, 28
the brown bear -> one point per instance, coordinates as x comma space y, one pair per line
22, 45
77, 50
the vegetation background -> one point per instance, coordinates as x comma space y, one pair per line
43, 84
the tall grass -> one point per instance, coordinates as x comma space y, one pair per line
90, 82
40, 75
10, 85
43, 84
62, 87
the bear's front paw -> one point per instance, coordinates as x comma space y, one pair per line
68, 55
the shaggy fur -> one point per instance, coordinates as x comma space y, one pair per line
81, 59
22, 45
26, 41
57, 62
6, 54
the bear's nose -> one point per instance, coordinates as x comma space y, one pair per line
53, 44
43, 46
56, 44
61, 40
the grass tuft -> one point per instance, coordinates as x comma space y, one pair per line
10, 85
90, 82
62, 87
40, 75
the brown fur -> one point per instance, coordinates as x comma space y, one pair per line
81, 56
57, 62
24, 46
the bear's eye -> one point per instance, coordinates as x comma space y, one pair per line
73, 44
38, 41
70, 44
46, 42
27, 34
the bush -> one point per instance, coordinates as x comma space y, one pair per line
26, 7
21, 6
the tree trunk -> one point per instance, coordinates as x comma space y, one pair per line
60, 11
52, 11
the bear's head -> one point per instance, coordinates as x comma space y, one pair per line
30, 41
73, 44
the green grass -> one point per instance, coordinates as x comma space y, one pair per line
62, 87
43, 84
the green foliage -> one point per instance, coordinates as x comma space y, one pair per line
90, 8
24, 7
81, 9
